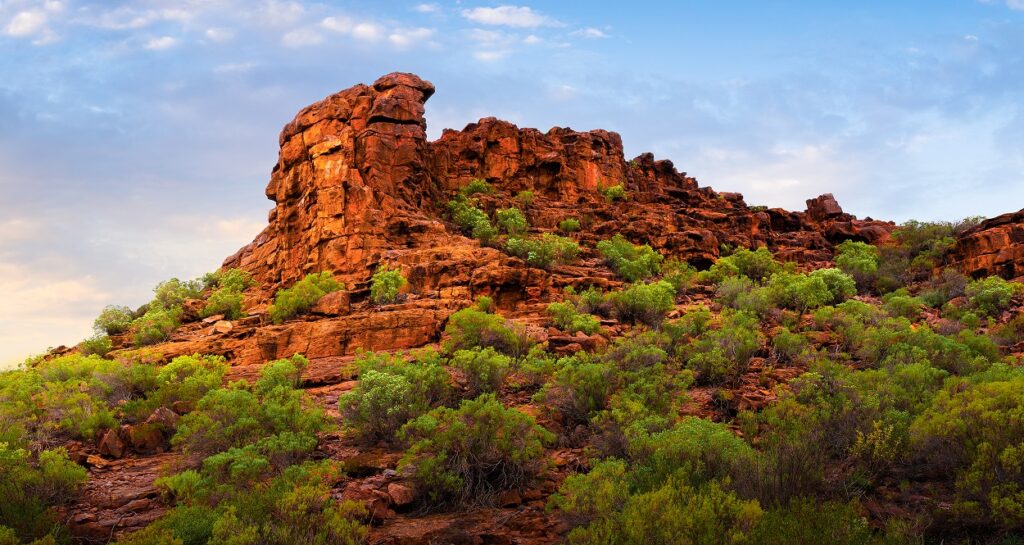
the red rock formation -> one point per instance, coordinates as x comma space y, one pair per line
994, 247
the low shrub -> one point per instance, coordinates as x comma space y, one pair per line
807, 520
391, 391
226, 297
483, 368
544, 251
992, 295
471, 220
386, 284
472, 452
614, 193
525, 198
99, 345
859, 260
114, 320
903, 305
578, 389
757, 265
512, 221
644, 303
569, 225
477, 185
721, 355
302, 296
568, 318
172, 293
32, 488
679, 273
630, 261
470, 328
155, 325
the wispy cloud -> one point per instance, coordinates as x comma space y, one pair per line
427, 8
513, 16
589, 32
160, 43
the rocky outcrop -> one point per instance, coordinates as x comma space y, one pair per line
993, 247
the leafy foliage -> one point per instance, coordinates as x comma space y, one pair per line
472, 451
644, 303
473, 221
632, 262
226, 297
567, 317
614, 193
477, 185
32, 487
512, 221
114, 320
992, 295
470, 328
386, 284
302, 296
544, 251
569, 225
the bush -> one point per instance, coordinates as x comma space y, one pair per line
186, 379
473, 451
114, 320
477, 185
721, 355
578, 389
226, 297
680, 274
570, 225
302, 296
902, 305
484, 369
566, 317
992, 295
973, 433
806, 520
471, 220
525, 198
545, 251
470, 328
512, 221
674, 513
632, 262
859, 260
99, 345
32, 488
155, 325
386, 284
172, 293
614, 193
390, 392
644, 303
757, 265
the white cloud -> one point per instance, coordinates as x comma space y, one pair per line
161, 43
589, 32
532, 40
1015, 4
482, 36
301, 37
406, 37
427, 8
340, 24
490, 56
31, 23
514, 16
234, 68
369, 32
219, 35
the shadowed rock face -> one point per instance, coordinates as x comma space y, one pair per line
357, 183
994, 247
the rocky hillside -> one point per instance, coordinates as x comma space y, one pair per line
565, 347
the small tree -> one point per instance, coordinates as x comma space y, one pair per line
386, 284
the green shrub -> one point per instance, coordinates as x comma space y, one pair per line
226, 297
97, 344
614, 193
32, 488
721, 355
391, 391
568, 318
512, 221
470, 328
644, 303
545, 251
632, 262
674, 513
680, 274
484, 369
992, 295
901, 304
973, 432
484, 303
477, 185
569, 225
859, 260
578, 389
155, 325
805, 521
114, 320
789, 345
386, 284
757, 265
473, 451
186, 379
525, 198
172, 293
471, 220
302, 296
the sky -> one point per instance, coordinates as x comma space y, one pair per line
136, 137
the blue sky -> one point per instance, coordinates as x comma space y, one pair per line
137, 137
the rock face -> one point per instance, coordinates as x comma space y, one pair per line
357, 183
994, 247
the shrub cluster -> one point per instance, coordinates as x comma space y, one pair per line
386, 284
512, 221
567, 317
302, 296
226, 295
543, 251
470, 328
614, 193
632, 262
473, 221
